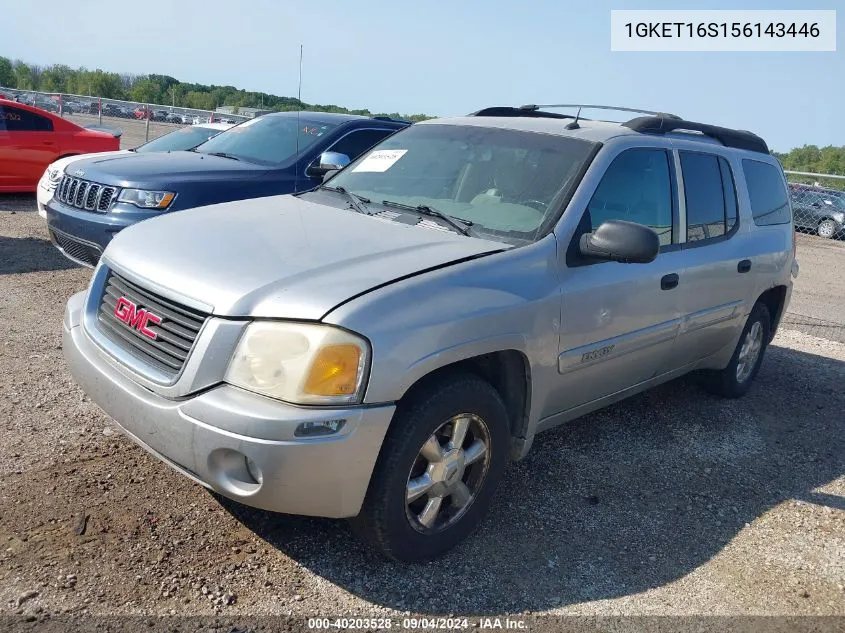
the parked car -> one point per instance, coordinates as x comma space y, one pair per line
174, 117
257, 158
819, 210
71, 107
112, 110
160, 115
140, 113
178, 140
380, 346
31, 139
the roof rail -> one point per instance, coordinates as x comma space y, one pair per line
740, 139
533, 108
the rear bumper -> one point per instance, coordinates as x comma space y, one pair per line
325, 476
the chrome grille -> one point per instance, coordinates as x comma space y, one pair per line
175, 334
83, 194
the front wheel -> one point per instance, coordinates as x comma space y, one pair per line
826, 228
439, 466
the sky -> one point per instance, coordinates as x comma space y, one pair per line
443, 57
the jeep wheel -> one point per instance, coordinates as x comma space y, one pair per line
735, 379
439, 466
826, 228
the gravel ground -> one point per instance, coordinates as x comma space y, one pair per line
673, 502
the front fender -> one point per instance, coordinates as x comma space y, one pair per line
505, 301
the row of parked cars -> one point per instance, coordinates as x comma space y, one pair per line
356, 317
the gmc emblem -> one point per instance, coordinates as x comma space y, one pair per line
129, 313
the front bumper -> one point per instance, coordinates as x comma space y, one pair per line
81, 235
207, 436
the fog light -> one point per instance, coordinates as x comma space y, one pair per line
318, 428
254, 471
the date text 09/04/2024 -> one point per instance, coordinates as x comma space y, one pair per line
409, 623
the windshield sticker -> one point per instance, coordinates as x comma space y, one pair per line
380, 160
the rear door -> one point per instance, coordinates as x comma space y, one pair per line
27, 146
719, 263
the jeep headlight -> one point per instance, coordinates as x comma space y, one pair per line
300, 363
147, 199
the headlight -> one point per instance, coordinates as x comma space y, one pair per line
147, 199
300, 363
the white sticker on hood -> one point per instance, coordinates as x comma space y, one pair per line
380, 160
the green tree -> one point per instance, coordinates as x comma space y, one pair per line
7, 73
23, 76
145, 91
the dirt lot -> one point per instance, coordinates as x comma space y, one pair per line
674, 502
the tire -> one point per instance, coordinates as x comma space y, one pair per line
826, 228
734, 380
395, 527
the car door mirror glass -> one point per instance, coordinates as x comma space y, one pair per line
621, 241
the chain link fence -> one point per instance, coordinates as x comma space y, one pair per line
818, 203
140, 122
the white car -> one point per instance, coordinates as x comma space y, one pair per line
181, 139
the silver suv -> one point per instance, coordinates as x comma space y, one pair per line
379, 347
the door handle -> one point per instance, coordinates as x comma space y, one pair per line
744, 266
669, 281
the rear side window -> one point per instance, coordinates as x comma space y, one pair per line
636, 187
19, 120
769, 204
709, 195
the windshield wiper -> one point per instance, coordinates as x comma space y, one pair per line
460, 225
354, 199
224, 155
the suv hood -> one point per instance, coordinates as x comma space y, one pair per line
280, 256
162, 169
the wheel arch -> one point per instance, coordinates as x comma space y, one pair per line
507, 370
774, 299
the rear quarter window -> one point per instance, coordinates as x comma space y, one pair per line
769, 204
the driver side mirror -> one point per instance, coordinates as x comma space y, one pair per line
621, 241
328, 161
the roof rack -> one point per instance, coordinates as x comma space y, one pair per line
534, 108
740, 139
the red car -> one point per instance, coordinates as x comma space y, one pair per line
31, 139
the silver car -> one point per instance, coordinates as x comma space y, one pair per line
380, 347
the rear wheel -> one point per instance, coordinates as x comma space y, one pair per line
440, 464
826, 228
735, 379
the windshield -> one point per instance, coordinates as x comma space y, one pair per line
180, 140
503, 182
267, 140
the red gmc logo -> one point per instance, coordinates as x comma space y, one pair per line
129, 313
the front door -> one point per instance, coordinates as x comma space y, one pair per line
619, 321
